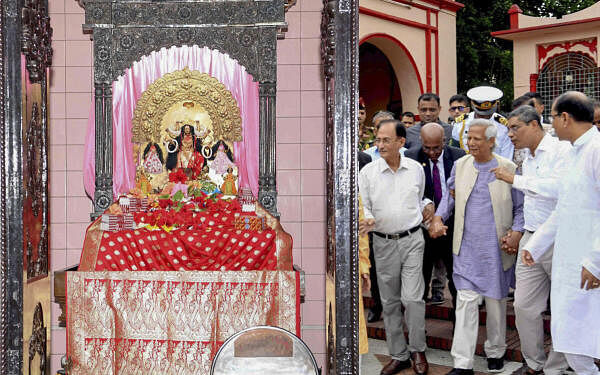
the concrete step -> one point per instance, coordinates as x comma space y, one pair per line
439, 336
443, 312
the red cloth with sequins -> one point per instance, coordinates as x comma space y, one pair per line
214, 245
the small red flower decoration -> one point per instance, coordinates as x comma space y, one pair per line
178, 176
165, 203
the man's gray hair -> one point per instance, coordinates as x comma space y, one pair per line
491, 131
383, 115
526, 114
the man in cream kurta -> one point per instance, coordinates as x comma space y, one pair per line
574, 227
486, 210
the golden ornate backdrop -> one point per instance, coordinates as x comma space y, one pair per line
190, 97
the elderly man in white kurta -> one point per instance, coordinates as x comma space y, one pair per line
543, 167
574, 227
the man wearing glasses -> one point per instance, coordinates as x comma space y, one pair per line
573, 227
459, 106
543, 167
392, 189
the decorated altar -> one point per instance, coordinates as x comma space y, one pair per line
186, 247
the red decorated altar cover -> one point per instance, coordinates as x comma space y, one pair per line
153, 322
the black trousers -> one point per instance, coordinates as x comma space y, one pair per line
377, 308
438, 248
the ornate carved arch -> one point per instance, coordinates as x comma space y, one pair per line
124, 31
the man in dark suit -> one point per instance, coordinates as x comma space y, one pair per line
363, 159
437, 161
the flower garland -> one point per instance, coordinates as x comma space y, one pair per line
169, 213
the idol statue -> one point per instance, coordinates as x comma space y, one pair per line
153, 159
222, 158
228, 187
185, 151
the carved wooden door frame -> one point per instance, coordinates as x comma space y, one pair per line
11, 193
339, 50
24, 28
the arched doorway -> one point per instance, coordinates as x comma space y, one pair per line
566, 72
378, 85
389, 77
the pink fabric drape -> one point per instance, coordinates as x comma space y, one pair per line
128, 88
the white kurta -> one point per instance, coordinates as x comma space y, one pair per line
574, 227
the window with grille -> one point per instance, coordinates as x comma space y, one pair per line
566, 72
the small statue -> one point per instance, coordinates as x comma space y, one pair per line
222, 157
228, 187
142, 183
153, 159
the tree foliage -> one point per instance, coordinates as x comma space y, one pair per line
484, 60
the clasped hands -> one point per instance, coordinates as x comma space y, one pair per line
509, 243
437, 227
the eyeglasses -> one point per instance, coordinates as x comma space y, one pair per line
459, 108
384, 141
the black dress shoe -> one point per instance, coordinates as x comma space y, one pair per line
373, 317
395, 366
495, 364
461, 371
437, 299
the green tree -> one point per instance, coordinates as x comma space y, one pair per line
485, 60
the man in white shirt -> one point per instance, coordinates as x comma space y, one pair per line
392, 189
543, 167
573, 227
375, 313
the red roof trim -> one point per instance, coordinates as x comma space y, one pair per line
442, 4
412, 4
543, 27
453, 6
399, 20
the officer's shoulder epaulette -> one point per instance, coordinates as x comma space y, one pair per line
460, 118
501, 119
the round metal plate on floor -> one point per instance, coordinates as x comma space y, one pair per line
264, 350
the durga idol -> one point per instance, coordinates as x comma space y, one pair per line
185, 151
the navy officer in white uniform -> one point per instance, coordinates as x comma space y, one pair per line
484, 101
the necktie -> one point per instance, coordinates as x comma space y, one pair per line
437, 185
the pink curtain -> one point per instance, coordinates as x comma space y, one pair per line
129, 88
